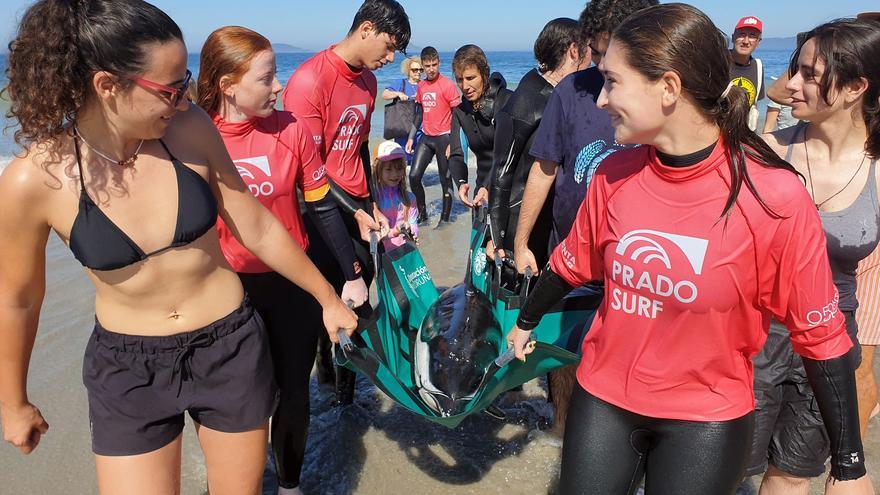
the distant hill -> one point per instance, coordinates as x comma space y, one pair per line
285, 48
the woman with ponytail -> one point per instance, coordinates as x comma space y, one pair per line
276, 157
132, 177
700, 235
834, 88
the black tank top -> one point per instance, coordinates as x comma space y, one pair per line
100, 244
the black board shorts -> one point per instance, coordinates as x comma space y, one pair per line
140, 386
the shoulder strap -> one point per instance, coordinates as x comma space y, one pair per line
170, 156
801, 129
760, 81
82, 183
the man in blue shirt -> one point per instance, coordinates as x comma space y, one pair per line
574, 135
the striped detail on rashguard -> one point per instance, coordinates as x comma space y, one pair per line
868, 295
316, 194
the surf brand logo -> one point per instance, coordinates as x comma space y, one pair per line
255, 186
429, 100
642, 247
567, 256
417, 278
319, 174
350, 124
826, 313
589, 158
479, 261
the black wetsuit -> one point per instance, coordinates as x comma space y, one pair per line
478, 128
608, 449
323, 257
515, 127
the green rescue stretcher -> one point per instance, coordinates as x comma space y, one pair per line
392, 348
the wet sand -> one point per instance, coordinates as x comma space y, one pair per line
372, 447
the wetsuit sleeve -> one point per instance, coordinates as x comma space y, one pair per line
796, 283
577, 259
321, 207
345, 202
548, 143
549, 290
368, 170
417, 121
457, 155
510, 139
332, 229
833, 382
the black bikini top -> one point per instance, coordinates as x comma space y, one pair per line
100, 244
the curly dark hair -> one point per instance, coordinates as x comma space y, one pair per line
602, 16
60, 44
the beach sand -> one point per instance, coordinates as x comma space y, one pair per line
372, 447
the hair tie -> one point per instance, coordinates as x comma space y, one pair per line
726, 92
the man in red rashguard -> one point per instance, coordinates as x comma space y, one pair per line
334, 93
436, 97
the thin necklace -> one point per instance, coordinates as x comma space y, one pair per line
122, 163
810, 174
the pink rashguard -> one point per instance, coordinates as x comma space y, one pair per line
273, 155
336, 104
438, 98
392, 206
689, 294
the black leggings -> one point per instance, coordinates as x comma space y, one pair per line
293, 321
429, 147
608, 450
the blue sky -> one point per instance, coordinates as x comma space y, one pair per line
494, 24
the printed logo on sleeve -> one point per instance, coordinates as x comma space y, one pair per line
256, 185
824, 314
644, 257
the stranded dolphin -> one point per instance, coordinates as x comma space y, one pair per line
455, 345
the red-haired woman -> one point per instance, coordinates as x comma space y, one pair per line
275, 155
126, 171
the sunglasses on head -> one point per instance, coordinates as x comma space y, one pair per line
173, 93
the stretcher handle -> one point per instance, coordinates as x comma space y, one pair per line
510, 354
344, 340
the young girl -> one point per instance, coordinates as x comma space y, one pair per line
389, 172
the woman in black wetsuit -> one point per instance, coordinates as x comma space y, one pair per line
473, 121
558, 54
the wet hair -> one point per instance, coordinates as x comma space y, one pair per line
228, 51
406, 64
850, 50
388, 17
680, 38
429, 54
402, 189
603, 16
60, 44
554, 40
471, 56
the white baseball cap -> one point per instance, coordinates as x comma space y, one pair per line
390, 150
